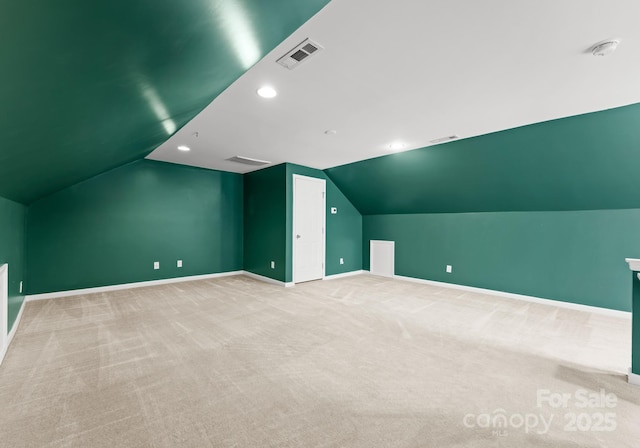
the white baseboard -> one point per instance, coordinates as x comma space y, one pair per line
99, 289
12, 333
344, 274
633, 378
77, 292
268, 279
509, 295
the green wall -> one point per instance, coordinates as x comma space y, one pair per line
12, 251
110, 229
268, 233
548, 210
265, 222
586, 162
573, 256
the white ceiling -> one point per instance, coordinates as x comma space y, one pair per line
417, 70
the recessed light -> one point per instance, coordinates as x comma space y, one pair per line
267, 92
397, 146
184, 148
331, 132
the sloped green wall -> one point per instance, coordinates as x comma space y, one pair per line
548, 210
586, 162
110, 229
92, 85
572, 256
12, 251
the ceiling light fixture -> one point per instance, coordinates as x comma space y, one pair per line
605, 48
331, 132
184, 148
267, 92
397, 146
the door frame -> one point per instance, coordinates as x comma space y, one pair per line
293, 224
4, 308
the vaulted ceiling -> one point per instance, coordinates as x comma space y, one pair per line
87, 86
414, 71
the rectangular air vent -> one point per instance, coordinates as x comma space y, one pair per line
299, 54
444, 139
248, 161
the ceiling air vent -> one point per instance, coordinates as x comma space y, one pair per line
299, 54
248, 161
444, 139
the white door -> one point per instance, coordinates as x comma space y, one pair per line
308, 228
4, 307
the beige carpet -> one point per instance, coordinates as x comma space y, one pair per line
355, 362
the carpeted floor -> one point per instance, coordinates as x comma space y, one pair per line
355, 362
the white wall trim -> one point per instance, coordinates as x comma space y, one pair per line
634, 263
4, 308
344, 274
633, 378
99, 289
12, 333
77, 292
509, 295
268, 279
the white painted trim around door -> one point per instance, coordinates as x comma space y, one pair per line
293, 224
13, 331
4, 309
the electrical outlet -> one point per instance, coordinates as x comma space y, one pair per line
273, 265
21, 287
179, 263
342, 261
449, 268
156, 265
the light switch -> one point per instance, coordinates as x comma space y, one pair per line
334, 210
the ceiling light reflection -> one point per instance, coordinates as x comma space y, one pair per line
240, 33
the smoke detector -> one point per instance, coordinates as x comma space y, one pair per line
302, 52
